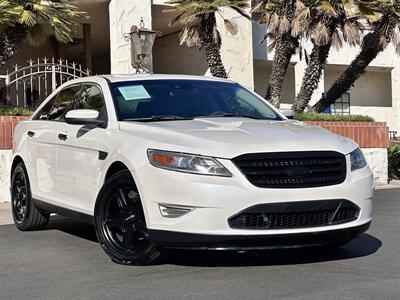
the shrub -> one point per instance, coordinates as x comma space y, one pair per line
312, 116
15, 111
394, 161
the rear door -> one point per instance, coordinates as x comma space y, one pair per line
81, 154
41, 154
43, 142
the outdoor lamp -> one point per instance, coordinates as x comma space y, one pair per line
142, 41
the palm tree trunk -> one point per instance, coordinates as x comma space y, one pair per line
371, 47
286, 47
212, 46
214, 60
11, 39
312, 76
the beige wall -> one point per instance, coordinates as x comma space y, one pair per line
374, 88
171, 58
124, 14
371, 94
262, 73
237, 50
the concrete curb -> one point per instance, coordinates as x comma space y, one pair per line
5, 214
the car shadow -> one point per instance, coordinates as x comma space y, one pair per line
364, 245
72, 227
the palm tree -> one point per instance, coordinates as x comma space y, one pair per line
278, 15
200, 27
327, 23
29, 21
384, 30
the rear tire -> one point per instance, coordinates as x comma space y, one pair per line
120, 223
26, 216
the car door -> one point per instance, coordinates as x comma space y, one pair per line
41, 153
81, 152
52, 122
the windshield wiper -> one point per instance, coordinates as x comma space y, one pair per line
159, 119
231, 115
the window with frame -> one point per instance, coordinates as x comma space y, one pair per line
341, 105
91, 97
43, 114
64, 102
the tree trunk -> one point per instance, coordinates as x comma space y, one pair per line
11, 39
371, 47
312, 76
214, 60
286, 46
212, 44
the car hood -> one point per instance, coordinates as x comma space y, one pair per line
230, 137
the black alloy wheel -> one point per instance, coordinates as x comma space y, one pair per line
26, 216
120, 223
19, 196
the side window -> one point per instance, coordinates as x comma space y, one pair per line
64, 102
43, 114
91, 97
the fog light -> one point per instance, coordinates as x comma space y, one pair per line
174, 211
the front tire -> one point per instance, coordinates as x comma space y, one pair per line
120, 223
26, 216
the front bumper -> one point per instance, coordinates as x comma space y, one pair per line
216, 199
181, 240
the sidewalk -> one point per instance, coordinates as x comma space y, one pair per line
5, 214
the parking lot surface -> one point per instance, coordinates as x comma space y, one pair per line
66, 262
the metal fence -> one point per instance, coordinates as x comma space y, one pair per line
29, 85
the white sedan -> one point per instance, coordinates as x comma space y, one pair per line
165, 161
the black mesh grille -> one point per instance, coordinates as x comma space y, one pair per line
296, 215
293, 169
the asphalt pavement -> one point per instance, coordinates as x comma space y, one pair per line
66, 262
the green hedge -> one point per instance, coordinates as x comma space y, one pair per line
311, 116
15, 111
394, 161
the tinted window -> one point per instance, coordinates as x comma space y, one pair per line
43, 114
188, 99
64, 102
91, 97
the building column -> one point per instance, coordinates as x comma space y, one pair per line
237, 50
395, 75
124, 14
87, 46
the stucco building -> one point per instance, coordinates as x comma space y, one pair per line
100, 46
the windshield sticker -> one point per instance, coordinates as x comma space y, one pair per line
134, 92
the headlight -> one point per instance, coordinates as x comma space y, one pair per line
187, 163
357, 160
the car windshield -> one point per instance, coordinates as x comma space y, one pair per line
168, 100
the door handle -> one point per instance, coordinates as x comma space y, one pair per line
31, 133
62, 137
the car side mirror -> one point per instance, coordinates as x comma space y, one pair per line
83, 117
288, 113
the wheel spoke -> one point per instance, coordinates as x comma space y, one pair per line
113, 221
128, 237
122, 201
139, 227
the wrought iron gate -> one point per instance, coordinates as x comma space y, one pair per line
30, 85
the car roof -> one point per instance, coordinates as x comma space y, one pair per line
137, 77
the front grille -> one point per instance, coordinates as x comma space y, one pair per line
293, 169
296, 215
